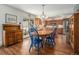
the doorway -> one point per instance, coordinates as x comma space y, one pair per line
25, 28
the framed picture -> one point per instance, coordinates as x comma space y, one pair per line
9, 18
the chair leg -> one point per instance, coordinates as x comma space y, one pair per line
30, 47
47, 40
54, 42
38, 49
42, 44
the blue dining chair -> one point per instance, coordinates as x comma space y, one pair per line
35, 40
51, 39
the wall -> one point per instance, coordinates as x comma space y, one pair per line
76, 7
7, 9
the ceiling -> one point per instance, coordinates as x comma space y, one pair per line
51, 10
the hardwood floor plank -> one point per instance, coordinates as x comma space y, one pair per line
8, 51
2, 52
13, 50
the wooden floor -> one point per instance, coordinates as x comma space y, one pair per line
61, 48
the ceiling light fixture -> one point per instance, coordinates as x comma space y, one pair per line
43, 16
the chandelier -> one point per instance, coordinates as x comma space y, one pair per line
43, 16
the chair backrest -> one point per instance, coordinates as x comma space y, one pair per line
54, 33
33, 37
31, 30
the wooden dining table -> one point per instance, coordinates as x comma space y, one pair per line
45, 32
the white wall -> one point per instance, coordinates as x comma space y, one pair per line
76, 7
6, 9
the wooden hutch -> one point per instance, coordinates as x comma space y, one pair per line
12, 34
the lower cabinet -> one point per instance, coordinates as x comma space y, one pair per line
12, 37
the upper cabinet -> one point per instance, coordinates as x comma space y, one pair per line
37, 21
50, 22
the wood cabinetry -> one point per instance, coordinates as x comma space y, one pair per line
13, 34
57, 22
60, 30
73, 36
70, 31
50, 22
76, 33
37, 21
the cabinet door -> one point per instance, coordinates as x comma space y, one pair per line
9, 38
6, 39
19, 36
12, 38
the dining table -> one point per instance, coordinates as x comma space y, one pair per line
43, 32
